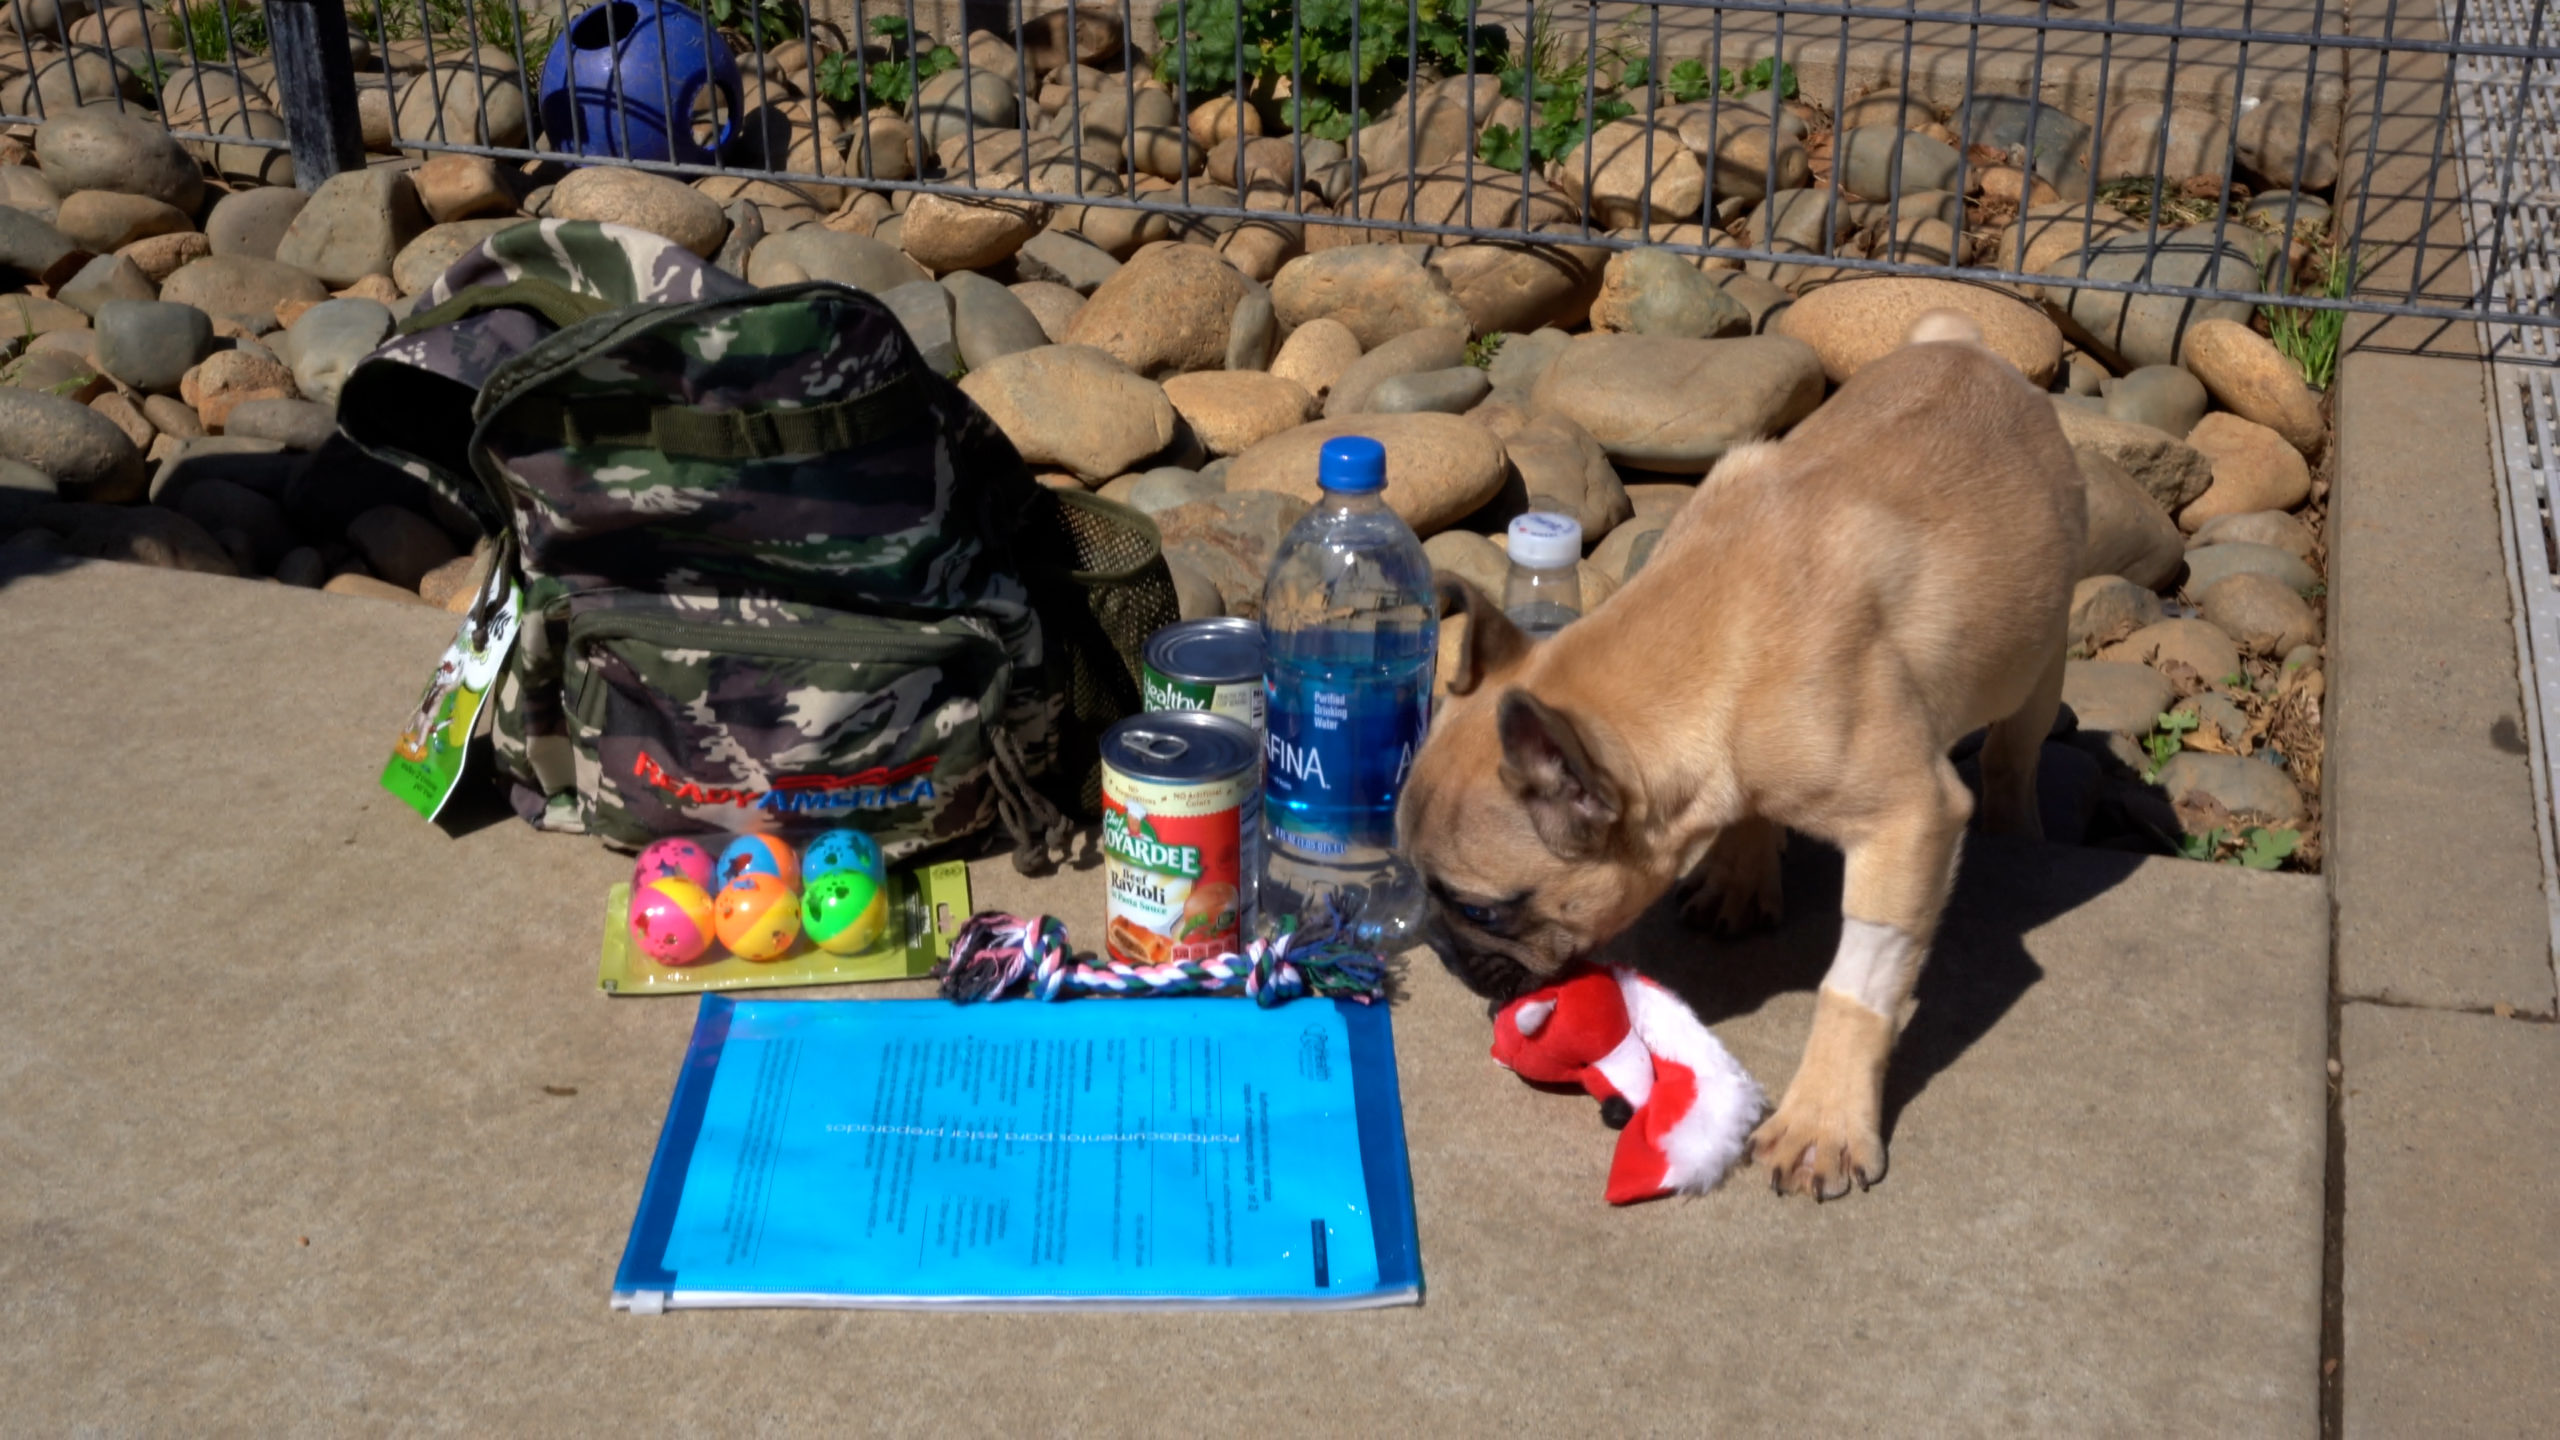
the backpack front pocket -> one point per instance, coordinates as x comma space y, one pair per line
695, 714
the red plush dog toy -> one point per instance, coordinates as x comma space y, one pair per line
1683, 1106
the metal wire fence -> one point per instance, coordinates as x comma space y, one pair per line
2225, 153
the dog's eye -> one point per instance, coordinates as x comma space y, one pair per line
1482, 915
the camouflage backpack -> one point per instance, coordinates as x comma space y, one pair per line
774, 569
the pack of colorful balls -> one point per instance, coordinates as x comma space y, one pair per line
731, 912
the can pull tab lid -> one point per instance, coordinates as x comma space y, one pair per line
1160, 747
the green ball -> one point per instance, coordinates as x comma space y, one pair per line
845, 913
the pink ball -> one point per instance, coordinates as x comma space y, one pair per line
671, 920
674, 857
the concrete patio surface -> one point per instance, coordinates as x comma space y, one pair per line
312, 1120
2445, 1303
2452, 1296
2447, 1181
2432, 810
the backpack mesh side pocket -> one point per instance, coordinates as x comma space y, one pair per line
1104, 593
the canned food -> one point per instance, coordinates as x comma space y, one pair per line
1212, 665
1181, 836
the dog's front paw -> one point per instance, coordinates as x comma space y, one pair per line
1818, 1149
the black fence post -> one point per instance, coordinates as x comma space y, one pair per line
317, 78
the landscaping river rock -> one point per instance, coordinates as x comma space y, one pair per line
1676, 405
177, 320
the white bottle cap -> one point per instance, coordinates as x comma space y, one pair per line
1542, 541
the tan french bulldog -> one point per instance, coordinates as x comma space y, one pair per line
1816, 627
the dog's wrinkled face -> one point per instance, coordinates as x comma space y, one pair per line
1515, 821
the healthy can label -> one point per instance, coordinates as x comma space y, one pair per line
1212, 665
1181, 827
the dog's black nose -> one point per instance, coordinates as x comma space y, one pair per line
1498, 978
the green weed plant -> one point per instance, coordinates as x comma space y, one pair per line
844, 79
2307, 337
1206, 43
1566, 102
211, 30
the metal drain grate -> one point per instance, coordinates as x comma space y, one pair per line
2508, 116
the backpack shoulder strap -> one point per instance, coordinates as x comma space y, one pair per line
555, 302
698, 434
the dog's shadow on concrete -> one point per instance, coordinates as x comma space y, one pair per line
1977, 971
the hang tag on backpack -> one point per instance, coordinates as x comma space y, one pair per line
426, 761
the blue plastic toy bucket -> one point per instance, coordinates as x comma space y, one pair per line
623, 80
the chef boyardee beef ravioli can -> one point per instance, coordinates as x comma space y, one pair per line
1181, 832
1212, 665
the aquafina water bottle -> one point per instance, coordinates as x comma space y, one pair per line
1352, 634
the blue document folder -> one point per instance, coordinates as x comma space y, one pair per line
1099, 1153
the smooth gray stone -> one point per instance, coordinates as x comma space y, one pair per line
329, 338
1250, 332
151, 344
1673, 297
2275, 203
295, 424
813, 252
1452, 391
2147, 329
1069, 260
2001, 121
1866, 159
924, 308
104, 279
252, 222
989, 321
1162, 488
2163, 397
31, 246
746, 230
87, 455
1520, 359
2207, 564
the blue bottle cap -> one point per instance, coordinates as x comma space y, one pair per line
1352, 464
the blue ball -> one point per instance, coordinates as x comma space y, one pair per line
757, 855
624, 77
841, 851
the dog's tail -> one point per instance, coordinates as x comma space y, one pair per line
1938, 325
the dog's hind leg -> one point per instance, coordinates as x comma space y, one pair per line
1828, 1129
1736, 888
2009, 755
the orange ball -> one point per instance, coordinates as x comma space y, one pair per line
758, 917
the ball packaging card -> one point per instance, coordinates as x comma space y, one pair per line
426, 761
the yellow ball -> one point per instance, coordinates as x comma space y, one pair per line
758, 917
671, 919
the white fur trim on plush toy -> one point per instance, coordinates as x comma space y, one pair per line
1629, 1069
1704, 1143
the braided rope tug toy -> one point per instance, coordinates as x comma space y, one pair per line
996, 956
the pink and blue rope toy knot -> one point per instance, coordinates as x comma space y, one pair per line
998, 956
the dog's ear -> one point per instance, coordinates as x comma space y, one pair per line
1493, 645
1546, 764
